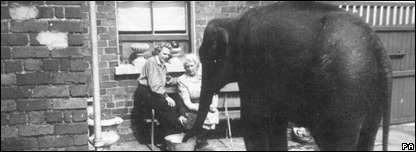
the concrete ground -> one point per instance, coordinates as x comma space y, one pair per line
404, 133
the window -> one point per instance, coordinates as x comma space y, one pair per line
152, 22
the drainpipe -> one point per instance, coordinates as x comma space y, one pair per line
98, 140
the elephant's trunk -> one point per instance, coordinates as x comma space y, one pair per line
205, 100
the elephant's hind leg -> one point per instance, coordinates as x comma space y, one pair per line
368, 133
261, 134
334, 136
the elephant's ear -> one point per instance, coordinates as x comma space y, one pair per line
220, 43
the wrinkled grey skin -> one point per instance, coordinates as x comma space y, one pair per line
308, 63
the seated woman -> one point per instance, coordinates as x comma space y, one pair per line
189, 85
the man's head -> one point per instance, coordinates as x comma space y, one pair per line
163, 51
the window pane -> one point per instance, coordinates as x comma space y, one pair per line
134, 16
169, 16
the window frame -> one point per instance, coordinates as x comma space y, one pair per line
189, 36
152, 36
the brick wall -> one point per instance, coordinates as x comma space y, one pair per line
208, 10
43, 89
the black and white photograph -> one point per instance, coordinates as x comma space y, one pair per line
207, 75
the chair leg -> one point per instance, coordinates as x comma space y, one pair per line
153, 130
228, 122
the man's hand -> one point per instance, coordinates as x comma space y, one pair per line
170, 101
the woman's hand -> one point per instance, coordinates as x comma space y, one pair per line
170, 101
183, 120
212, 109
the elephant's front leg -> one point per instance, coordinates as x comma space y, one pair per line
265, 133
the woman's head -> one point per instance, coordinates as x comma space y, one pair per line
163, 50
191, 64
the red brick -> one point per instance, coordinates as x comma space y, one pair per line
252, 3
51, 65
55, 141
78, 65
64, 64
79, 115
28, 26
110, 50
33, 65
67, 116
45, 12
14, 39
72, 52
77, 78
72, 103
75, 40
106, 71
36, 117
222, 3
59, 78
203, 3
64, 2
120, 111
101, 29
17, 118
130, 89
5, 53
16, 92
8, 132
66, 26
4, 119
80, 140
8, 79
51, 91
129, 103
229, 10
31, 52
19, 143
115, 91
59, 12
12, 66
79, 91
54, 116
8, 105
34, 78
110, 105
71, 128
108, 84
73, 12
113, 64
4, 26
106, 9
35, 130
5, 14
33, 104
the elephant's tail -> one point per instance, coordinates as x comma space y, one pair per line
387, 102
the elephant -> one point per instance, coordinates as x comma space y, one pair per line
309, 63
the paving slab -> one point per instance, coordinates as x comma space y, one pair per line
404, 133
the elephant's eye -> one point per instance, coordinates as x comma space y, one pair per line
217, 60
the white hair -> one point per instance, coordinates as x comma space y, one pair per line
191, 58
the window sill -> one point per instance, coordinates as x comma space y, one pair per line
127, 69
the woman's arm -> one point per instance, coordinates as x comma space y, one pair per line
184, 93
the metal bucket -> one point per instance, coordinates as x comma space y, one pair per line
174, 143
